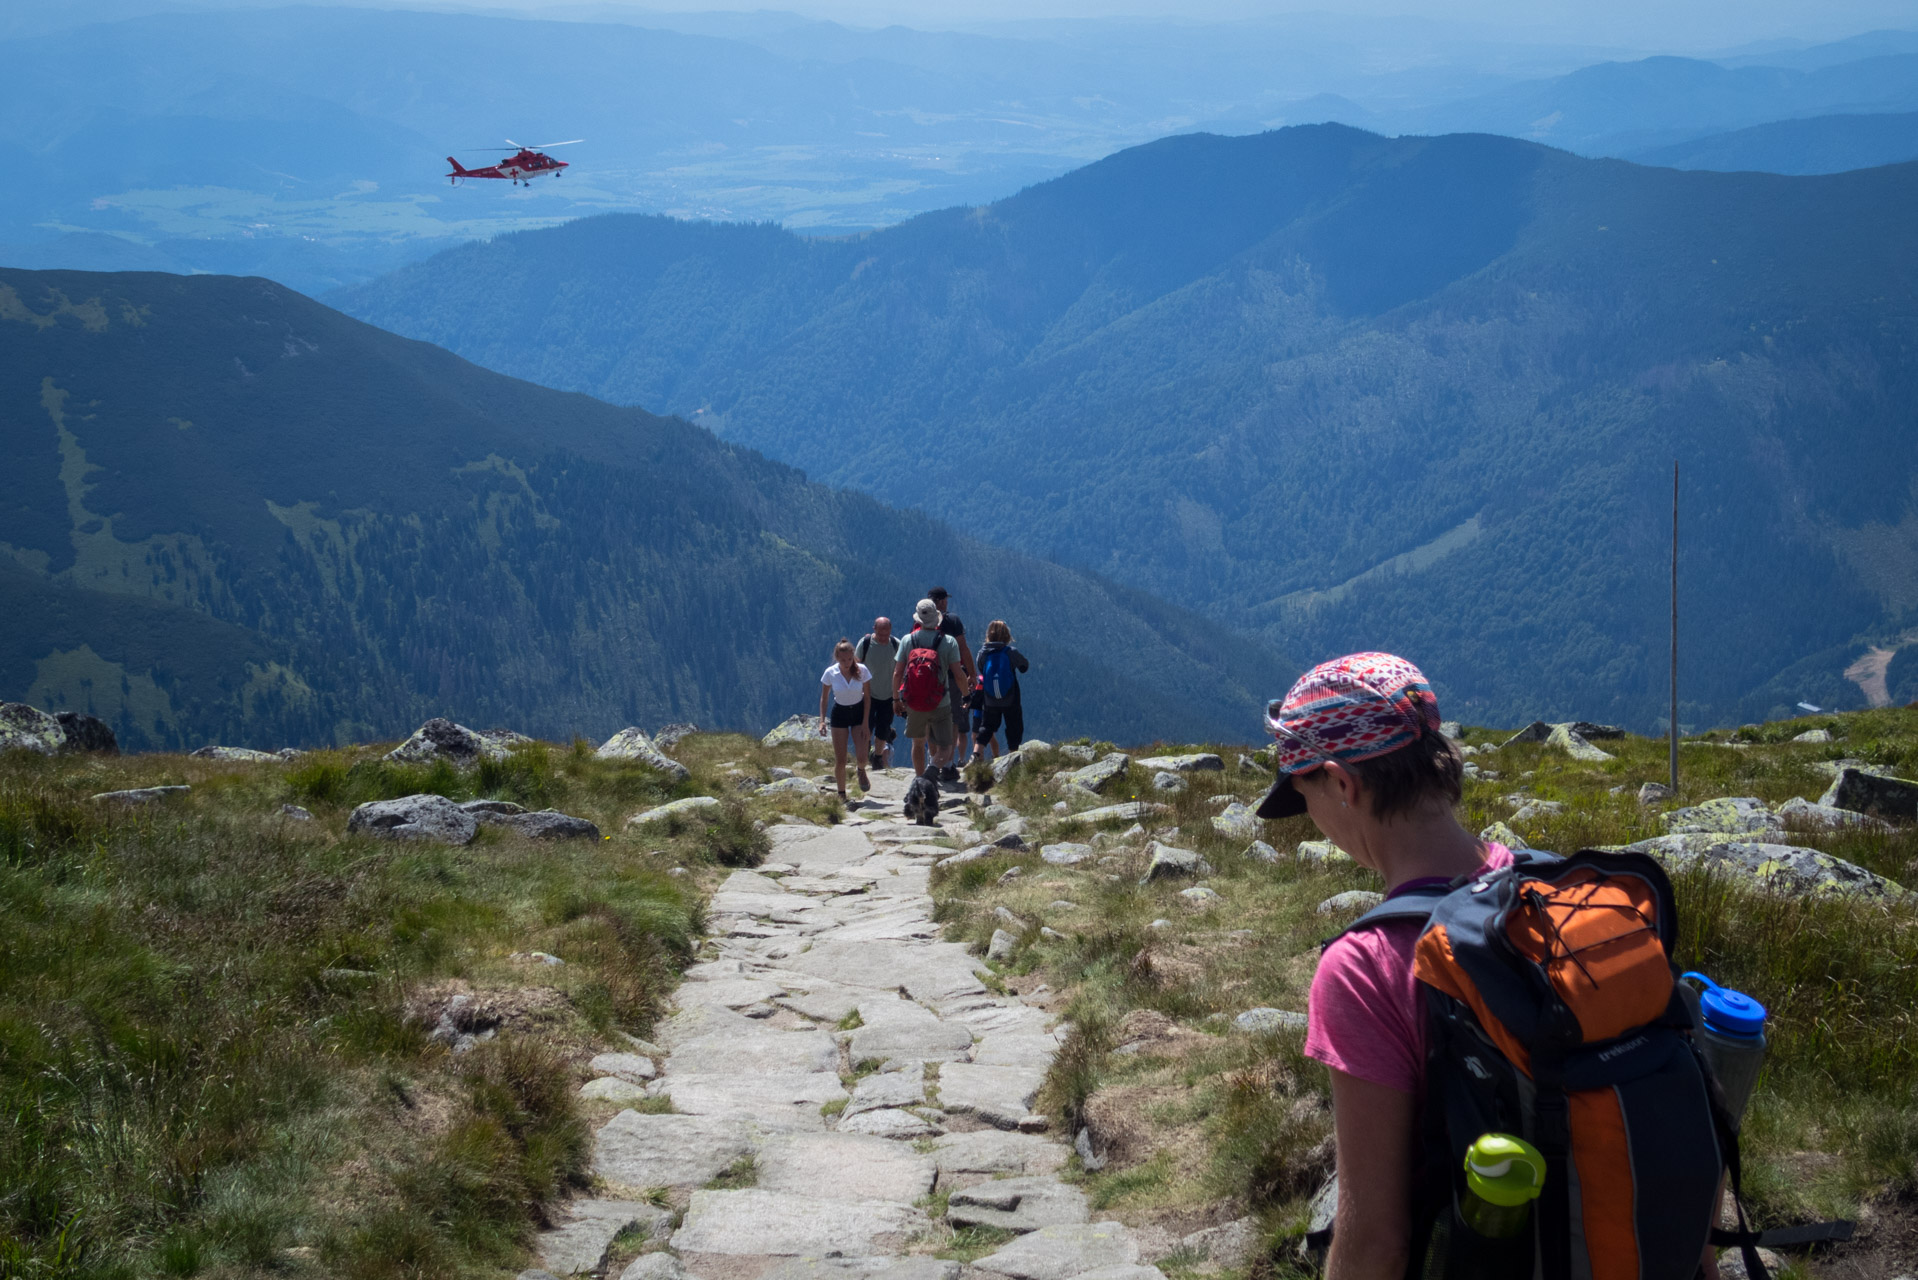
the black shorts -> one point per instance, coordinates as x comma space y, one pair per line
882, 719
845, 717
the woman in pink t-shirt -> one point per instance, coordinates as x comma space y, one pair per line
1359, 749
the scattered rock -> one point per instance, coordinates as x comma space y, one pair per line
1727, 815
1326, 851
1352, 900
143, 795
1167, 782
1199, 896
633, 744
441, 739
495, 807
1537, 731
1232, 1245
626, 1066
1001, 946
691, 807
25, 728
1814, 735
1078, 753
1731, 1264
1168, 862
88, 733
996, 1151
793, 786
1196, 762
1450, 729
1655, 793
1010, 874
1574, 744
1533, 810
1263, 1020
536, 957
1018, 1204
1065, 854
1802, 812
1260, 851
1129, 811
1005, 764
547, 824
1894, 799
235, 754
295, 813
416, 817
669, 737
800, 730
1102, 773
1236, 822
1011, 841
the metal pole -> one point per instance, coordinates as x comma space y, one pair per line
1673, 733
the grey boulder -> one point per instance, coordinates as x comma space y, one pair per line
1727, 815
238, 755
25, 728
578, 1243
1780, 867
547, 824
1802, 812
1894, 799
1103, 773
633, 744
1236, 822
1264, 1020
416, 817
1574, 744
87, 733
1164, 780
1349, 901
669, 736
1168, 863
442, 739
1194, 762
1065, 853
142, 795
702, 807
800, 730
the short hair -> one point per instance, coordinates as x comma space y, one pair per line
997, 630
1400, 781
937, 593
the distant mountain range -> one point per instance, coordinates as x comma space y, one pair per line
230, 514
308, 143
1822, 144
1422, 394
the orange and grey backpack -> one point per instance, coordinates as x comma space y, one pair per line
1554, 1013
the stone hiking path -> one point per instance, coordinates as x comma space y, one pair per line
839, 922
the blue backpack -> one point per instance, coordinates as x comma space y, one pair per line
995, 670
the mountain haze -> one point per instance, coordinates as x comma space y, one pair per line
232, 514
1267, 377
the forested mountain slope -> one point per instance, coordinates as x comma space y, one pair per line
1264, 376
229, 513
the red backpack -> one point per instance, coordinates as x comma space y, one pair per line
925, 683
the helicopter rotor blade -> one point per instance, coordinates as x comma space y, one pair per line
541, 146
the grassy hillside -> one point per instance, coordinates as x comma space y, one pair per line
234, 514
1201, 1121
1421, 393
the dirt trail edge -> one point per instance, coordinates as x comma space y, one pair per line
829, 970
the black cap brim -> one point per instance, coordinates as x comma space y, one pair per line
1282, 801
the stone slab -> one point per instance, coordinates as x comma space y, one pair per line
997, 1151
784, 1100
863, 1269
1018, 1204
733, 1051
778, 1224
887, 1089
844, 1166
889, 1122
579, 1243
647, 1151
1062, 1252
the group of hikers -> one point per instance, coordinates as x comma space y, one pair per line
954, 702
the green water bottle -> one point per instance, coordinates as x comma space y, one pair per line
1503, 1175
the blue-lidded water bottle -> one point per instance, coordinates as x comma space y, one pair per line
1731, 1035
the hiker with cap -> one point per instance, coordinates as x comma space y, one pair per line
950, 625
1358, 748
924, 678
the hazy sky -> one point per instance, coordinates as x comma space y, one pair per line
1646, 23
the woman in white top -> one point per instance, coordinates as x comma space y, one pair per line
848, 685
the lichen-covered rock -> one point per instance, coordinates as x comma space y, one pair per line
87, 733
25, 728
1533, 810
1727, 815
547, 824
1537, 731
417, 817
1128, 811
1781, 867
441, 739
1814, 735
1801, 812
1236, 822
1574, 744
1167, 781
1264, 1020
1880, 796
633, 744
1499, 833
800, 730
1260, 851
244, 755
1351, 901
1194, 762
1102, 773
1655, 793
1065, 853
1078, 753
698, 807
1002, 766
1326, 851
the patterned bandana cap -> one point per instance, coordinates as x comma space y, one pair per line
1349, 709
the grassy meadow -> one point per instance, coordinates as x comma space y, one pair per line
215, 1019
1200, 1123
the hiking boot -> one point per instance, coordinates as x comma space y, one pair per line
949, 774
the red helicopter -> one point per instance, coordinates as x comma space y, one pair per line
526, 164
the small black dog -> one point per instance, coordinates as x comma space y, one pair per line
922, 802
